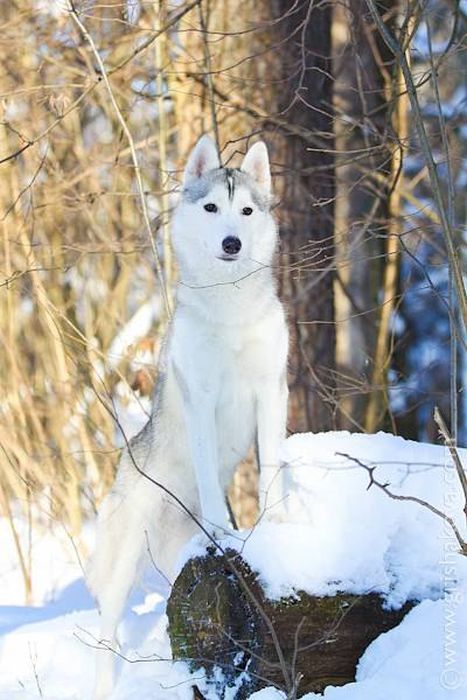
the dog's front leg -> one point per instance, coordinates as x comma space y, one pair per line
271, 424
199, 409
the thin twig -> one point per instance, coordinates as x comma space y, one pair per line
114, 69
411, 499
134, 156
177, 16
450, 215
208, 77
451, 445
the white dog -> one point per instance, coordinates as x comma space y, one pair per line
222, 383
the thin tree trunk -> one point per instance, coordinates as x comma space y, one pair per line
378, 403
307, 208
367, 271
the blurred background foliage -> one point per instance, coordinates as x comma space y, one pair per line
365, 267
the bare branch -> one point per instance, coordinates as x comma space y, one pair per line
454, 259
134, 156
410, 499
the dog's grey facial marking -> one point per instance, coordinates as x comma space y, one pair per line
230, 182
196, 189
231, 178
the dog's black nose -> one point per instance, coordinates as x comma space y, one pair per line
231, 245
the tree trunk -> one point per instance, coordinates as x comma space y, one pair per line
366, 98
304, 100
220, 620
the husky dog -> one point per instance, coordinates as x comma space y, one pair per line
222, 383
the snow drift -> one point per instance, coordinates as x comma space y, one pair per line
341, 534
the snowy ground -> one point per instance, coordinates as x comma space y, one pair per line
341, 536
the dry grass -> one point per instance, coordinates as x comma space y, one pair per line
74, 263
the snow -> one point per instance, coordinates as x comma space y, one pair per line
268, 694
355, 539
407, 663
339, 535
56, 560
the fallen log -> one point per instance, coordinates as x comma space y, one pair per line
221, 621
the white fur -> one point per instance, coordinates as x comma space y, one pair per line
222, 383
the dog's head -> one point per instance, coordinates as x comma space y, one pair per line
223, 218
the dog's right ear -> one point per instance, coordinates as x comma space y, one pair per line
204, 157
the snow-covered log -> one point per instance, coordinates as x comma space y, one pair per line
221, 621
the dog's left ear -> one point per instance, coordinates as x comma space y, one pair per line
256, 165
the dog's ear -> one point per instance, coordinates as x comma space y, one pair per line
256, 164
204, 157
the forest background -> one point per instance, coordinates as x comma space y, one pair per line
362, 105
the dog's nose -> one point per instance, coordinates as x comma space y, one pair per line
231, 245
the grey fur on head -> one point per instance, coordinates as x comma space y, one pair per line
199, 187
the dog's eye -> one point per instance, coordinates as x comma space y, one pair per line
246, 211
210, 207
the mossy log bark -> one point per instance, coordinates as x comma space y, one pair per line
220, 620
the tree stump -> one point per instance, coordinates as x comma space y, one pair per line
220, 620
